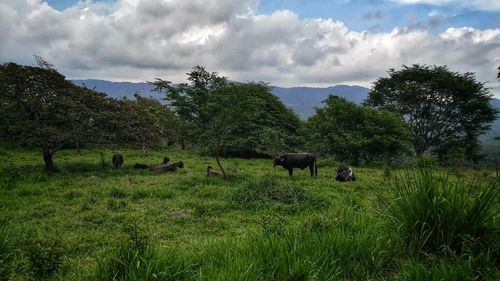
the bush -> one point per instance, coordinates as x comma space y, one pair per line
45, 257
432, 214
136, 259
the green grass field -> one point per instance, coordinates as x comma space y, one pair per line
92, 223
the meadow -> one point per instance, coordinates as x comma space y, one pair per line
88, 222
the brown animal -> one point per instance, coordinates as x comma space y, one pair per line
117, 160
212, 173
162, 168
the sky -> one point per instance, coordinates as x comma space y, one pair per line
282, 42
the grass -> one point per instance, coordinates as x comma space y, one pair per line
89, 222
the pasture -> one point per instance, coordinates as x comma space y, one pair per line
88, 222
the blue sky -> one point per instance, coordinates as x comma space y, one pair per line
286, 43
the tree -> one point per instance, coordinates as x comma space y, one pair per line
439, 106
354, 132
40, 108
261, 116
165, 118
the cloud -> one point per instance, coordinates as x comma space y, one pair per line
481, 5
140, 40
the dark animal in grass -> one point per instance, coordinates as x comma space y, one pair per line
290, 161
117, 160
165, 160
162, 168
212, 173
345, 173
139, 166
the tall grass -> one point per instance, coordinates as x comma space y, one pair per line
432, 214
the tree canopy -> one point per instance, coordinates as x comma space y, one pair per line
40, 108
353, 132
440, 106
248, 112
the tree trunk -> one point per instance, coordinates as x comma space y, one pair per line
47, 158
496, 166
78, 147
103, 164
220, 165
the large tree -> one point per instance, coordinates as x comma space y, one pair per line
40, 108
226, 118
439, 105
353, 132
266, 115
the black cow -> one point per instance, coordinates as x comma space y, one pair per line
117, 160
165, 160
297, 160
345, 173
139, 166
162, 169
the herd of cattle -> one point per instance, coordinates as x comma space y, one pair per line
289, 161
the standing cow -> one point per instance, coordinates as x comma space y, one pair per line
117, 160
297, 160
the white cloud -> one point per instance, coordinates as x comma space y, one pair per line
140, 40
483, 5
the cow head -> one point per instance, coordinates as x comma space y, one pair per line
278, 160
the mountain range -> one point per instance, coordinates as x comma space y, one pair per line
302, 100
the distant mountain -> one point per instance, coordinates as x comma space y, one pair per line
118, 89
302, 100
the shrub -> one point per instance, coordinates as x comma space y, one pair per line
136, 259
45, 257
432, 214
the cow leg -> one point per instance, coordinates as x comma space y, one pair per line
290, 172
311, 169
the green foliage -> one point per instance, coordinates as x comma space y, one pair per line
45, 257
8, 251
233, 119
354, 132
434, 215
440, 106
40, 108
135, 259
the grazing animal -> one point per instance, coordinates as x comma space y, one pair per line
162, 168
165, 160
345, 173
297, 160
212, 173
117, 160
138, 166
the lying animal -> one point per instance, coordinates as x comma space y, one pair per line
345, 173
117, 160
212, 173
138, 166
162, 168
297, 160
165, 160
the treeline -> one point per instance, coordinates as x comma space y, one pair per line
415, 110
